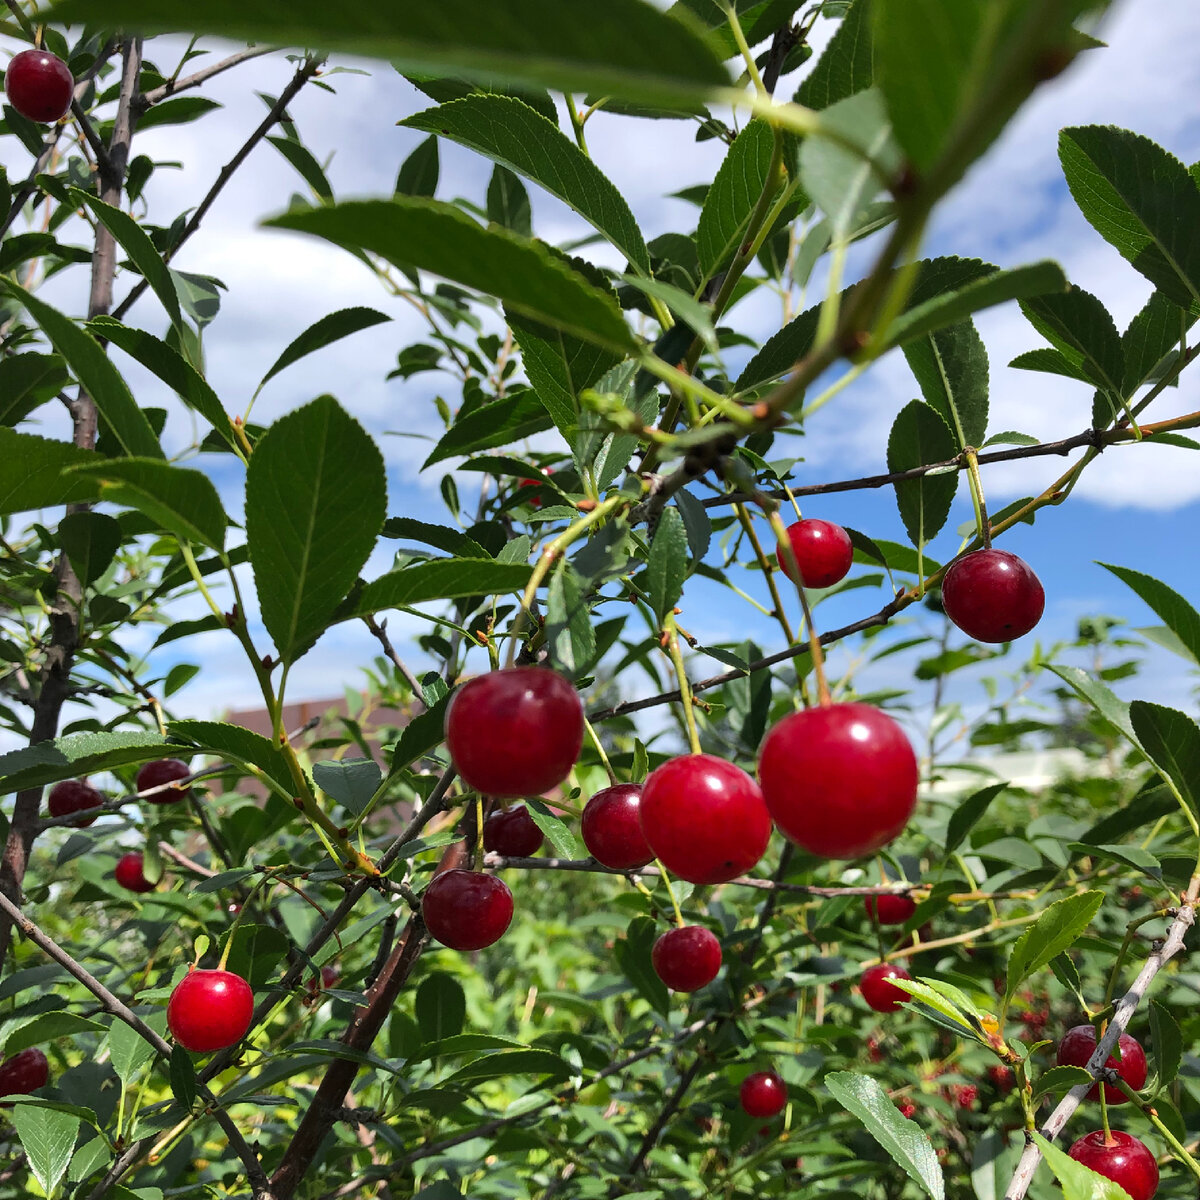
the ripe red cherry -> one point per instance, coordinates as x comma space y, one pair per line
992, 596
1123, 1159
72, 796
687, 958
163, 770
39, 85
515, 732
763, 1094
612, 828
534, 501
1079, 1044
129, 873
24, 1073
840, 780
513, 833
878, 990
467, 910
823, 553
890, 910
210, 1010
704, 818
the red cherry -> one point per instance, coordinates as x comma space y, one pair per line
965, 1095
890, 910
24, 1073
704, 818
1124, 1160
515, 732
992, 596
687, 958
329, 975
840, 780
535, 501
513, 833
763, 1094
1079, 1044
39, 85
163, 770
467, 910
210, 1010
612, 828
72, 796
1003, 1078
907, 1108
877, 990
129, 873
823, 552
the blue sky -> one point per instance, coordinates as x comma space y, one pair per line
1136, 507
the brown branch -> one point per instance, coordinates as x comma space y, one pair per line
174, 86
1171, 945
379, 630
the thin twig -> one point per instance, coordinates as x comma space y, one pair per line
174, 86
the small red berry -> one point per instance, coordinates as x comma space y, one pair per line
823, 553
72, 796
39, 85
129, 873
612, 828
907, 1108
687, 958
162, 771
515, 732
513, 833
877, 990
1122, 1158
467, 910
839, 780
210, 1010
704, 818
992, 596
1002, 1077
1079, 1044
965, 1095
763, 1094
890, 910
534, 501
24, 1073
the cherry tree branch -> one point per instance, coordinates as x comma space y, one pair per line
174, 86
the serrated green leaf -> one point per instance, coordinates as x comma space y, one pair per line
905, 1141
920, 436
508, 202
951, 367
1052, 362
497, 423
316, 497
666, 568
1152, 337
920, 990
322, 333
183, 1078
444, 579
731, 199
1167, 1043
1176, 612
1078, 1182
1080, 328
846, 64
511, 1062
569, 631
27, 381
1101, 698
1171, 741
1060, 1079
441, 1007
49, 1140
46, 1028
1055, 931
77, 755
558, 833
509, 132
91, 541
443, 537
967, 814
237, 744
128, 1050
350, 781
305, 164
418, 175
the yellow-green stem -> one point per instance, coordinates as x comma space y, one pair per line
685, 688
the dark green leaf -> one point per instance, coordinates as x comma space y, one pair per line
316, 496
76, 755
49, 1140
27, 381
1153, 335
1052, 362
569, 631
511, 1062
441, 1007
846, 64
666, 568
443, 537
494, 424
412, 232
179, 110
1060, 1079
509, 132
697, 524
731, 198
445, 579
350, 781
1167, 1043
236, 744
1114, 710
1177, 613
324, 333
558, 832
632, 953
91, 541
905, 1141
951, 367
46, 1028
920, 436
183, 1078
120, 417
305, 164
508, 202
1080, 328
1131, 856
1171, 740
968, 813
1056, 930
419, 172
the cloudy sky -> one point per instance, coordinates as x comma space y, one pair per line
1136, 506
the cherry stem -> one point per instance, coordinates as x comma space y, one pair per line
768, 574
666, 878
976, 481
608, 767
685, 688
237, 920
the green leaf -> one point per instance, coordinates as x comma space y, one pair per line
135, 241
350, 781
27, 381
1168, 1043
846, 65
410, 231
324, 333
497, 423
419, 172
951, 367
183, 1078
120, 417
510, 133
1152, 339
957, 1021
179, 110
76, 755
666, 568
91, 541
632, 953
623, 48
1171, 741
967, 814
1101, 698
33, 472
445, 579
558, 832
569, 630
905, 1141
316, 497
1056, 930
46, 1028
181, 500
172, 368
441, 1007
511, 1062
307, 167
128, 1050
1131, 856
89, 1158
508, 202
920, 436
1052, 362
731, 198
1141, 200
236, 744
49, 1140
1080, 328
443, 537
1078, 1182
1060, 1079
1176, 613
